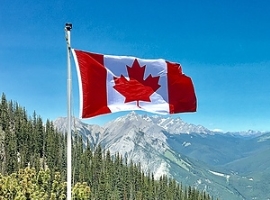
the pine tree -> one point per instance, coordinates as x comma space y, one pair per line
11, 152
97, 166
4, 117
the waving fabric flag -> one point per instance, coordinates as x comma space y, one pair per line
119, 83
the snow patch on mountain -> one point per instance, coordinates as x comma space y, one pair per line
221, 174
264, 138
176, 125
162, 170
186, 144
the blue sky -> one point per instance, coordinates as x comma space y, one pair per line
222, 45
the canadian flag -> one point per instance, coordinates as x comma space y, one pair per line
110, 84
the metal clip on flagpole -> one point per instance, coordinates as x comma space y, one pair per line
68, 28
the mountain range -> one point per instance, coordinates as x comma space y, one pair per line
232, 165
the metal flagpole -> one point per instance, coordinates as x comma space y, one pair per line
68, 28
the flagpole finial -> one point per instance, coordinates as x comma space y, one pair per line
68, 26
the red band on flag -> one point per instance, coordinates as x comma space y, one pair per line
93, 78
180, 90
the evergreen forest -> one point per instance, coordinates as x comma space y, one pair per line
33, 166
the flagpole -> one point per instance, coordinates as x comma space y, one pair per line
68, 28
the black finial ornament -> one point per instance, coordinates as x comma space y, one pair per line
68, 26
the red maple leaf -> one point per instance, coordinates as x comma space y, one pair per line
136, 88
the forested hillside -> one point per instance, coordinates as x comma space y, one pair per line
33, 165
